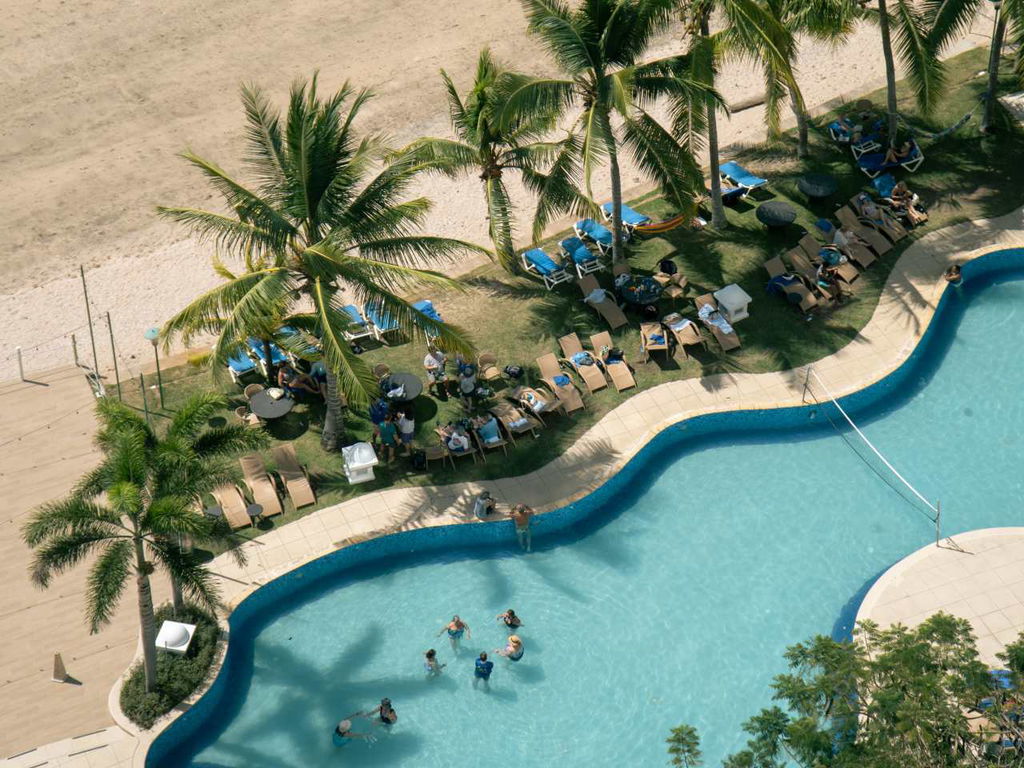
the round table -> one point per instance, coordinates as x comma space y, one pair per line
640, 290
266, 407
818, 185
254, 511
410, 381
776, 213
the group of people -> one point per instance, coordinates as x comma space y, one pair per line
395, 431
469, 389
384, 714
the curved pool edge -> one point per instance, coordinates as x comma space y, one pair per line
865, 371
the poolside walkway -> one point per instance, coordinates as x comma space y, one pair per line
984, 584
905, 308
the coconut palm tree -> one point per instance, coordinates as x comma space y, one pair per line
749, 31
600, 49
320, 224
485, 146
131, 513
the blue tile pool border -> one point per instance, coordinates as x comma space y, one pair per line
187, 734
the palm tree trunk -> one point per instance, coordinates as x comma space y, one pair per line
613, 162
801, 126
177, 599
890, 71
147, 619
270, 362
718, 220
334, 425
989, 113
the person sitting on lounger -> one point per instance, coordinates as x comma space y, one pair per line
487, 428
294, 382
877, 216
825, 276
899, 155
906, 204
456, 439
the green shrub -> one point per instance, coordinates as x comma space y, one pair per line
177, 677
199, 359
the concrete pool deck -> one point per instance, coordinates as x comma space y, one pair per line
905, 308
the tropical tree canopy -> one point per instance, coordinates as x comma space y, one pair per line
600, 49
486, 146
321, 225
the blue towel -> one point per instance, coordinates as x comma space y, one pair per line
741, 175
577, 250
656, 338
562, 380
825, 226
884, 184
277, 356
582, 358
540, 261
599, 233
630, 217
489, 431
241, 362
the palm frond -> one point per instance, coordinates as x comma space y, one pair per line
525, 98
499, 223
418, 249
263, 133
227, 232
456, 109
107, 580
628, 30
443, 155
949, 20
192, 416
58, 552
355, 379
572, 44
557, 191
916, 50
66, 516
196, 582
658, 154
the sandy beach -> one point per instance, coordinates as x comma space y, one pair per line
101, 96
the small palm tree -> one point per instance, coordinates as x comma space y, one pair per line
320, 224
486, 146
132, 512
600, 48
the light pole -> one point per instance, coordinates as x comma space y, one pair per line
998, 30
153, 335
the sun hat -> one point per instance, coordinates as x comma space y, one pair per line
514, 639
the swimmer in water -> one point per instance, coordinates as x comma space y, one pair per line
385, 713
343, 733
455, 628
483, 671
431, 664
954, 275
510, 619
514, 650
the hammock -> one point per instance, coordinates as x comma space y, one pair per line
660, 227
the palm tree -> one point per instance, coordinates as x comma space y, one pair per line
134, 509
600, 47
750, 31
487, 147
319, 224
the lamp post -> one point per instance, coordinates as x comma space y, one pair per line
998, 30
153, 335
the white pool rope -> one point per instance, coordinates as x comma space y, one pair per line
871, 445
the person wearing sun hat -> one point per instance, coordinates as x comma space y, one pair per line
514, 650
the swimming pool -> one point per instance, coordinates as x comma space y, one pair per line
669, 597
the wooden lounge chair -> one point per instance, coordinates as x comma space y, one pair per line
293, 475
797, 293
812, 248
802, 266
878, 243
808, 267
443, 434
515, 420
568, 396
484, 447
487, 367
608, 309
686, 332
888, 226
232, 504
674, 285
618, 370
726, 340
649, 344
264, 492
533, 401
856, 250
591, 374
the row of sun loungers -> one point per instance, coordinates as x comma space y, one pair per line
262, 488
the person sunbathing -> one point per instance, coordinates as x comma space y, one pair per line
878, 216
292, 381
899, 155
906, 204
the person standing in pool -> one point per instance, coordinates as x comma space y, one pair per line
514, 650
482, 671
343, 733
510, 620
385, 713
455, 628
521, 515
431, 664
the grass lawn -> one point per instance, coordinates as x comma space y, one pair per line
965, 176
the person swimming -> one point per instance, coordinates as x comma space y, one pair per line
385, 712
431, 664
514, 650
456, 628
343, 733
510, 619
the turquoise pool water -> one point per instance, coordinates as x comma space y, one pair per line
673, 604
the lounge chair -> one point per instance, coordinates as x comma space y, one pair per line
606, 307
812, 248
561, 386
674, 285
358, 326
716, 322
239, 364
487, 367
233, 505
789, 286
495, 441
875, 240
533, 401
630, 219
277, 355
653, 338
443, 434
380, 321
731, 194
598, 234
539, 263
293, 475
856, 249
870, 143
426, 307
586, 365
264, 492
739, 176
873, 163
515, 420
888, 225
686, 332
803, 267
884, 184
576, 251
617, 369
